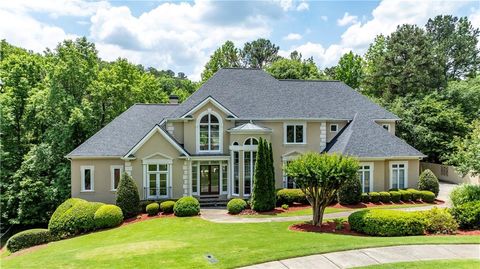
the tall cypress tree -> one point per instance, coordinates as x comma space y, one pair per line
262, 198
272, 175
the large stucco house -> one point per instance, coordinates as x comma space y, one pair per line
206, 146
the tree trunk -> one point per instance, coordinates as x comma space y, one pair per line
317, 213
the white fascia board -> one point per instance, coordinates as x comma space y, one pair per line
213, 101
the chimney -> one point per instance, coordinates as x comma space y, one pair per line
173, 99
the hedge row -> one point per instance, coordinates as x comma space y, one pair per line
382, 222
398, 195
290, 196
28, 238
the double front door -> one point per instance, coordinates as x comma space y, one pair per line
209, 179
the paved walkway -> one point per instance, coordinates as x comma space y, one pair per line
371, 256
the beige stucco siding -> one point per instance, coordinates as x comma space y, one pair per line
331, 135
178, 131
391, 123
381, 173
102, 179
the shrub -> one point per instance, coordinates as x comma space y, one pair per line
186, 206
384, 222
108, 216
61, 209
167, 207
374, 197
415, 194
406, 195
153, 209
290, 196
28, 238
365, 198
236, 206
396, 196
467, 215
285, 207
351, 192
428, 196
465, 193
143, 205
76, 220
439, 221
127, 196
384, 197
428, 182
393, 189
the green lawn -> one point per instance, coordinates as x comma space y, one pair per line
184, 243
457, 264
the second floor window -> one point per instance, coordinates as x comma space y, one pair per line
209, 133
294, 133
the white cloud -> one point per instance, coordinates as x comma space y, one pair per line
347, 19
54, 8
303, 6
324, 18
475, 18
324, 57
293, 36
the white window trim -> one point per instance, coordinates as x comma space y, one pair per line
387, 125
220, 132
223, 164
195, 166
372, 169
232, 173
168, 173
82, 176
391, 172
112, 175
336, 126
284, 175
252, 172
304, 124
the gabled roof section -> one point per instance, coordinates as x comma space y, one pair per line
214, 102
363, 137
249, 128
124, 132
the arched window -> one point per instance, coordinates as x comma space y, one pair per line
251, 142
235, 143
209, 133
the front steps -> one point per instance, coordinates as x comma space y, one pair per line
213, 200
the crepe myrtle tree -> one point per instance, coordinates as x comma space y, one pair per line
320, 176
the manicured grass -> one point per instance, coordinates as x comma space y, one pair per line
184, 243
457, 264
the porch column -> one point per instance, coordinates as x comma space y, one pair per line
128, 168
323, 136
186, 176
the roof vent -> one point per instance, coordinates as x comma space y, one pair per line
173, 99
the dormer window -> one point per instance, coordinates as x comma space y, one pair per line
386, 126
209, 130
333, 128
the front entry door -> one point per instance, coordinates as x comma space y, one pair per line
209, 179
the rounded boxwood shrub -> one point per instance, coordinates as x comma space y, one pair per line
186, 206
61, 209
167, 207
351, 192
108, 216
384, 197
467, 215
427, 196
384, 222
236, 206
127, 196
415, 194
76, 220
28, 238
406, 195
365, 198
439, 221
153, 209
395, 196
143, 205
428, 182
465, 193
290, 196
374, 197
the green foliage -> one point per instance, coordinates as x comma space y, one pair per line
406, 195
365, 198
350, 70
263, 194
259, 53
351, 192
108, 216
467, 215
374, 197
225, 56
465, 193
57, 216
290, 196
143, 205
128, 198
167, 207
294, 68
186, 206
395, 196
152, 209
382, 222
415, 194
439, 221
76, 219
236, 206
338, 223
466, 156
285, 207
464, 94
428, 182
28, 238
320, 176
384, 197
428, 196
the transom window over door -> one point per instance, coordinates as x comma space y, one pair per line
295, 133
398, 175
209, 133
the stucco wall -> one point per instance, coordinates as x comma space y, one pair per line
448, 173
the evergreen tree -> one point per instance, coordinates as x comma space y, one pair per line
262, 186
128, 198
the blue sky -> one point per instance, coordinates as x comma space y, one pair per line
181, 35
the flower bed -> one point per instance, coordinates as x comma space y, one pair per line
327, 227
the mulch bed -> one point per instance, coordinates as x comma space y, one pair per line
327, 227
144, 216
276, 211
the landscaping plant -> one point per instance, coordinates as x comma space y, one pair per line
467, 215
236, 206
439, 221
374, 197
263, 194
290, 196
320, 176
365, 198
351, 192
465, 193
427, 196
186, 206
167, 207
384, 197
384, 222
128, 198
108, 216
406, 196
28, 238
415, 194
285, 207
395, 196
428, 182
153, 209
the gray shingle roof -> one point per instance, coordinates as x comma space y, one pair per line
363, 137
126, 130
254, 94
